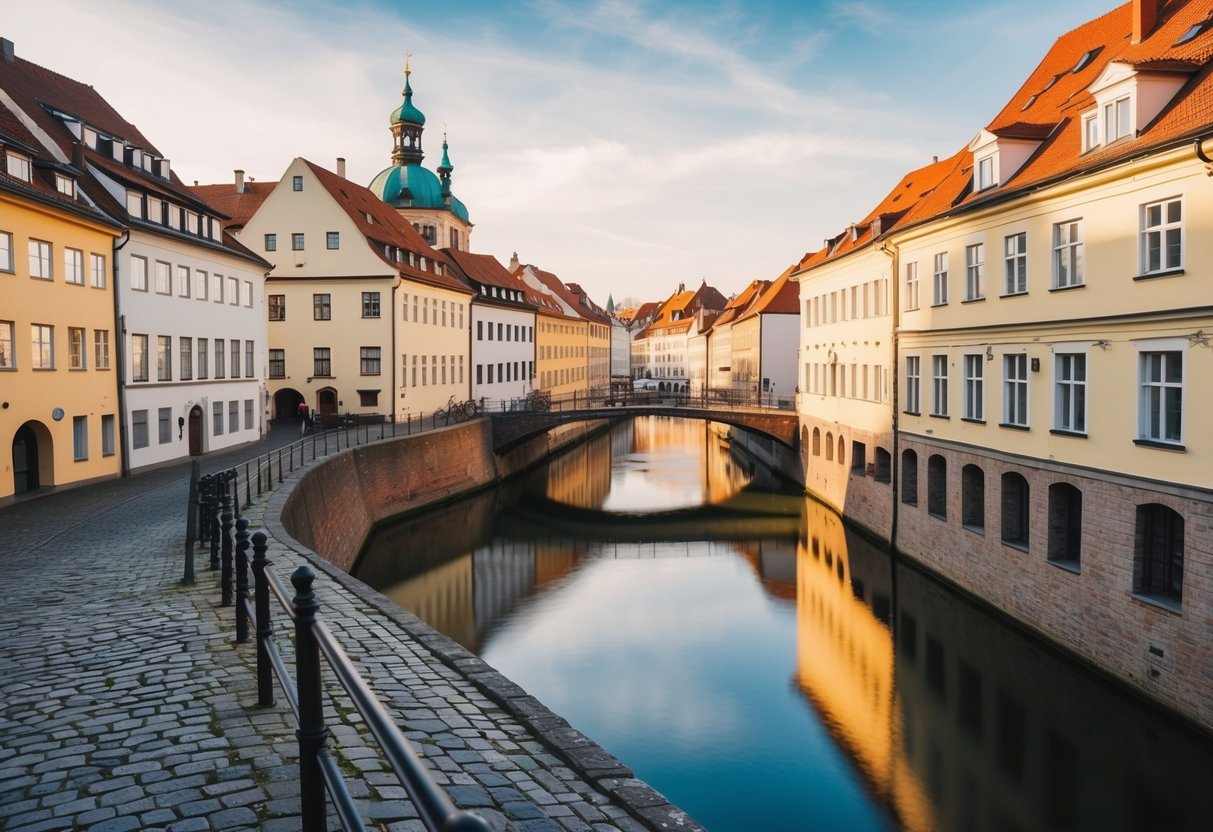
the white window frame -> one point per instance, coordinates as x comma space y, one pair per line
974, 387
939, 385
6, 252
1159, 234
17, 165
183, 281
41, 263
986, 172
1150, 422
101, 349
42, 346
1069, 391
164, 278
1015, 264
1116, 119
1015, 390
1090, 131
138, 273
1068, 254
913, 383
975, 271
911, 286
97, 270
940, 280
8, 346
73, 266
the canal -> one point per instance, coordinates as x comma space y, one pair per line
765, 667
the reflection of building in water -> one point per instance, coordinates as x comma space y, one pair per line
774, 562
699, 447
846, 658
581, 476
1008, 736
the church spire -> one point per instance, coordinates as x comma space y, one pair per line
444, 173
407, 124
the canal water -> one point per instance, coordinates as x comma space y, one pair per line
766, 668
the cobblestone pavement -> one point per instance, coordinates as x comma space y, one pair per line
126, 705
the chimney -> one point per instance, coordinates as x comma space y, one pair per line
239, 181
341, 166
78, 156
1145, 15
6, 50
514, 264
934, 160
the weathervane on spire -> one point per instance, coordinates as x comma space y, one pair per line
407, 71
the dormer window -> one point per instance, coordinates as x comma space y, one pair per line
1086, 59
1117, 118
65, 185
90, 137
17, 165
1090, 132
986, 175
1193, 32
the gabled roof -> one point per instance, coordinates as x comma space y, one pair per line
237, 206
780, 298
484, 270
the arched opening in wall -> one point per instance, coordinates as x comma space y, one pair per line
804, 446
661, 386
859, 458
842, 451
884, 465
1065, 525
1015, 512
829, 446
937, 486
816, 441
286, 404
973, 498
33, 456
909, 477
327, 404
1158, 553
196, 430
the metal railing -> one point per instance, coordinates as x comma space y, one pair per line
707, 399
319, 774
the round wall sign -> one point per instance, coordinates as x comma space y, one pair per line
57, 413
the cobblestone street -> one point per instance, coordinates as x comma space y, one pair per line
126, 705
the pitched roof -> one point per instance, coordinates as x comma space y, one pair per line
238, 207
486, 270
780, 298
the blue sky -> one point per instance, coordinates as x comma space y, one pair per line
624, 145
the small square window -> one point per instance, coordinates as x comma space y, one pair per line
296, 183
332, 240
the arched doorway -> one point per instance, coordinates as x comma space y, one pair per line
326, 404
196, 431
31, 445
286, 404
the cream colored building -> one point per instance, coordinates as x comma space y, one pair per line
561, 335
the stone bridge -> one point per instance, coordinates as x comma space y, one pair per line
512, 428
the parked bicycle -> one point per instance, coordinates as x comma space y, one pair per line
539, 401
459, 411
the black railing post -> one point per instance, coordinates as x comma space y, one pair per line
280, 466
312, 732
191, 522
212, 509
248, 488
204, 519
242, 544
225, 522
261, 606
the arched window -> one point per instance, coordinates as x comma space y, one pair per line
816, 441
884, 462
842, 451
829, 446
1065, 524
973, 498
1158, 557
909, 477
937, 486
1015, 511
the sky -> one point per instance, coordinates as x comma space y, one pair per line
625, 145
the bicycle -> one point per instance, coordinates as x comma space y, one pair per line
459, 411
538, 401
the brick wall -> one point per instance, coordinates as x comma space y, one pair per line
853, 492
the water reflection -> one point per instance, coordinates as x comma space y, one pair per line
908, 705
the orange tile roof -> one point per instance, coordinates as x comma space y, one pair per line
781, 298
237, 207
484, 268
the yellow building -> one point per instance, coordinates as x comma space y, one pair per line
59, 400
562, 335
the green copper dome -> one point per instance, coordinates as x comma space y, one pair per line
412, 186
406, 112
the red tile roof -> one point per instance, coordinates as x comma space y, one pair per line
237, 207
780, 298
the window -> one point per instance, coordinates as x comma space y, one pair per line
233, 291
370, 304
79, 438
912, 285
277, 306
940, 282
296, 183
973, 498
203, 357
277, 363
248, 414
297, 241
369, 361
985, 173
1116, 119
368, 398
884, 465
217, 418
1160, 408
1162, 236
909, 477
138, 273
6, 252
233, 416
17, 165
937, 486
939, 385
974, 387
322, 307
1090, 131
165, 423
73, 266
332, 240
1016, 264
975, 271
1065, 524
75, 348
139, 429
164, 361
40, 260
322, 362
97, 270
107, 435
7, 357
1158, 559
164, 278
1070, 392
200, 283
271, 242
234, 350
217, 287
1067, 254
101, 349
65, 185
186, 358
1015, 510
859, 457
913, 383
183, 281
42, 343
220, 345
248, 359
1015, 390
